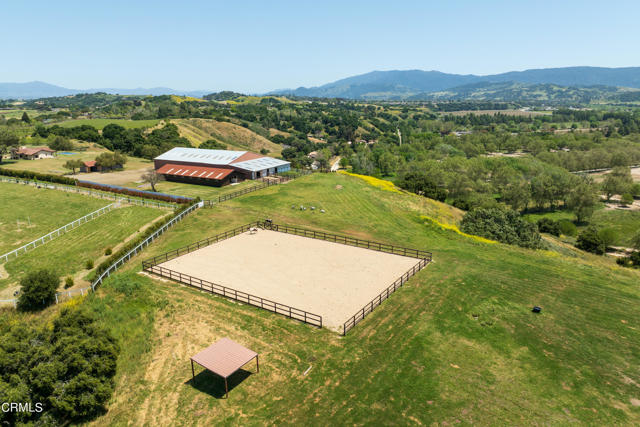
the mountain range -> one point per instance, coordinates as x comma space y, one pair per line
34, 90
418, 84
562, 84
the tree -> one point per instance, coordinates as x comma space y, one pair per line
626, 199
618, 181
25, 117
111, 160
60, 143
503, 225
547, 225
388, 163
151, 177
583, 201
608, 236
590, 241
8, 140
421, 183
37, 290
73, 165
635, 241
212, 144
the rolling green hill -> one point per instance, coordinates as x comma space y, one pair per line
457, 344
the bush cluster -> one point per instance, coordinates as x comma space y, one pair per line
37, 176
503, 225
68, 368
590, 240
632, 260
37, 290
556, 228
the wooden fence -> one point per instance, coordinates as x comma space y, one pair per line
265, 182
152, 265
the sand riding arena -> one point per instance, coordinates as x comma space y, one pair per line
319, 278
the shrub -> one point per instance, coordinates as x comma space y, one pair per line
567, 228
424, 185
68, 282
108, 252
547, 225
590, 241
38, 290
89, 264
608, 236
626, 199
37, 176
503, 225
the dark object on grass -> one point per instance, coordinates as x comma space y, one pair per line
536, 309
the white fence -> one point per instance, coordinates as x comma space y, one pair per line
61, 296
82, 190
55, 233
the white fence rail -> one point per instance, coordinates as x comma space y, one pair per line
61, 296
55, 233
83, 190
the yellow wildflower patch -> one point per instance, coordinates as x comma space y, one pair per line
455, 229
376, 182
181, 99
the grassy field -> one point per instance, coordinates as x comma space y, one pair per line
17, 114
457, 344
101, 123
203, 191
625, 223
235, 137
55, 165
68, 253
27, 213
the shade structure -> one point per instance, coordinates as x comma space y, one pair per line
223, 358
194, 171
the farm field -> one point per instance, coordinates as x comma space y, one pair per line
55, 166
68, 253
458, 343
101, 123
17, 114
27, 212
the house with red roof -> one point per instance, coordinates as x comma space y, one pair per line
32, 153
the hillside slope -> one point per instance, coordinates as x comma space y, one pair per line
235, 137
458, 343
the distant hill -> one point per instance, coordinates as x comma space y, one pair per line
379, 85
34, 90
541, 92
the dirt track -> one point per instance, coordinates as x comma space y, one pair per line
324, 278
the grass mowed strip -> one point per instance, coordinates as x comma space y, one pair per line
101, 123
27, 212
205, 192
458, 343
68, 254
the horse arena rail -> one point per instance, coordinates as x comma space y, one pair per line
152, 265
424, 257
55, 233
266, 182
60, 296
82, 190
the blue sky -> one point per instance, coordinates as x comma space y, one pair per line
256, 46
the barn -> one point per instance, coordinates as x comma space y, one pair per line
216, 167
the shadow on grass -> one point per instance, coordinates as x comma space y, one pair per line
213, 385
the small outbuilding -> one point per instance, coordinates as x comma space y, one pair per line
224, 358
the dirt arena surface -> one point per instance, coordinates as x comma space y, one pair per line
324, 278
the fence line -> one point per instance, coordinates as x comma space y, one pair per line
263, 303
384, 295
60, 296
82, 190
345, 240
55, 233
266, 182
152, 265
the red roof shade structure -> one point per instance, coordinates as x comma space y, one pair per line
90, 163
194, 171
223, 358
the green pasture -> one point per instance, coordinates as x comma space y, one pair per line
457, 344
101, 123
